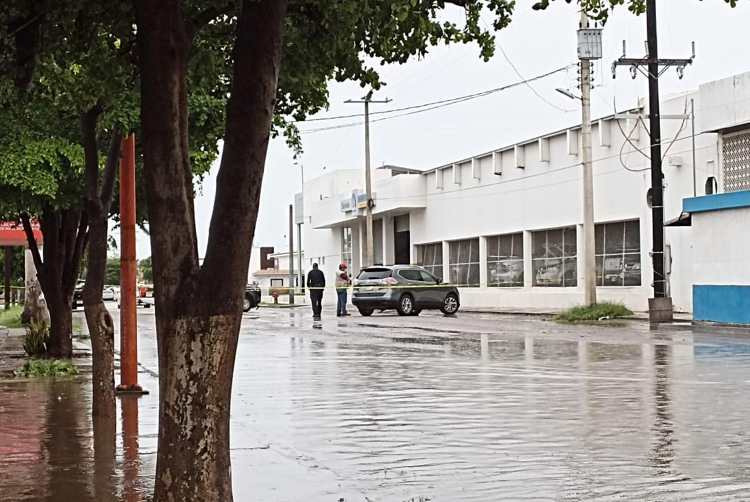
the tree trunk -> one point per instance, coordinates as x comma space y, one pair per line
193, 460
65, 234
98, 319
197, 316
61, 320
102, 332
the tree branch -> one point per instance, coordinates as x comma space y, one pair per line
204, 17
110, 170
33, 246
91, 155
257, 52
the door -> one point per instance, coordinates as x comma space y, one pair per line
432, 291
402, 240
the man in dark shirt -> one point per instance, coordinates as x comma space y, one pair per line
316, 282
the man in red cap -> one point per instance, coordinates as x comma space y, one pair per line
343, 281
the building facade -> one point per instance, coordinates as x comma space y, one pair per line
505, 224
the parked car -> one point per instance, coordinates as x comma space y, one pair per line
252, 297
109, 294
407, 288
144, 296
78, 294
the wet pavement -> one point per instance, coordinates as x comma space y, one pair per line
479, 407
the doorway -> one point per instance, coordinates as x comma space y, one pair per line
402, 240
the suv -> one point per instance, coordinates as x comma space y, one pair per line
407, 288
251, 298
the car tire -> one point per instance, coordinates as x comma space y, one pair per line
364, 311
450, 304
247, 303
406, 305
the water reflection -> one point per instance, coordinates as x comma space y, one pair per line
130, 447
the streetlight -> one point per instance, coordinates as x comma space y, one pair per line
567, 93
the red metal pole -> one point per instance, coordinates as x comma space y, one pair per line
128, 320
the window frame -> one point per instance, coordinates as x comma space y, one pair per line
556, 255
498, 260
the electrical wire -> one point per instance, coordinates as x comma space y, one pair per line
536, 93
424, 107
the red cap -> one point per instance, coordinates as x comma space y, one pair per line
342, 266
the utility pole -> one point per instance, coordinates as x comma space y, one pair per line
128, 292
291, 254
660, 306
589, 48
300, 221
369, 245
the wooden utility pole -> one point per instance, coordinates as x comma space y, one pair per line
660, 306
369, 245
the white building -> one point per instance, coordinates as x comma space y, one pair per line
505, 224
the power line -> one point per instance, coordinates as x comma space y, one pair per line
424, 107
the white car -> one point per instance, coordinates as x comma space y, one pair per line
141, 300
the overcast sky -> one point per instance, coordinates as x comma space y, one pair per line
535, 43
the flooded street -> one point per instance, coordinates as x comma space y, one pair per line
475, 408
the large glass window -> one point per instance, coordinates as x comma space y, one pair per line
505, 260
346, 245
464, 262
554, 257
430, 256
618, 254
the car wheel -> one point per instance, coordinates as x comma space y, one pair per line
406, 305
247, 304
364, 312
450, 304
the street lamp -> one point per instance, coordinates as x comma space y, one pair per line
567, 93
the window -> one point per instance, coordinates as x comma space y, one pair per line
277, 283
428, 278
430, 256
554, 257
374, 273
618, 254
410, 275
346, 245
505, 260
464, 262
736, 160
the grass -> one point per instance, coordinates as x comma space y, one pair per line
594, 313
11, 318
47, 368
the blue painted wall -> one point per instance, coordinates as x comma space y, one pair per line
724, 304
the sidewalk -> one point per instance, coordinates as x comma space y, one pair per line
12, 355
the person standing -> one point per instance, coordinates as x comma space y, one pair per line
343, 281
316, 283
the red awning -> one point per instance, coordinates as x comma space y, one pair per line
12, 234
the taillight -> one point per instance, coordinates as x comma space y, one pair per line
389, 281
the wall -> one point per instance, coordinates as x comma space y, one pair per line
539, 187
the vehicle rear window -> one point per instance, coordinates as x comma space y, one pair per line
374, 273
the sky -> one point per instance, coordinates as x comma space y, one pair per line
535, 43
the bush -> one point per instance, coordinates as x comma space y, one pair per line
47, 368
598, 312
35, 341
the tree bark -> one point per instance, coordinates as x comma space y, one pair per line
98, 319
197, 316
65, 234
